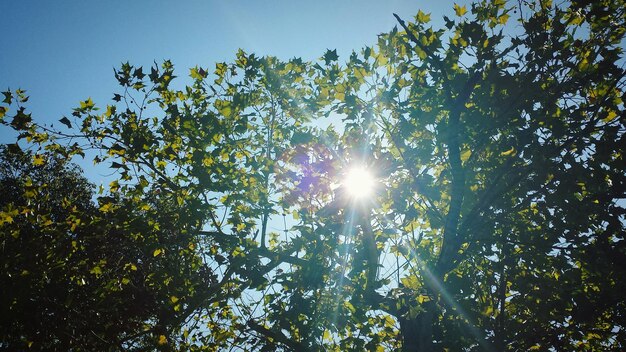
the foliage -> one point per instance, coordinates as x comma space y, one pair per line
497, 142
81, 277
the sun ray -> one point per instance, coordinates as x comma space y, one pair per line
348, 233
449, 300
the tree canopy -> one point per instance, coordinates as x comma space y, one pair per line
496, 220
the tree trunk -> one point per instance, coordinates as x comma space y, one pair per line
417, 333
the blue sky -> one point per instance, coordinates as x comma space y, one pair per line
62, 52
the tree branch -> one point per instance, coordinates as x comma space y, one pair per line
277, 336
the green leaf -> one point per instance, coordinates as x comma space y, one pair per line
330, 56
301, 138
8, 97
21, 120
138, 73
66, 122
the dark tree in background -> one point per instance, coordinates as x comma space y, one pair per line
496, 144
34, 285
76, 276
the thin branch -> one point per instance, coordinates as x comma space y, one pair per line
277, 336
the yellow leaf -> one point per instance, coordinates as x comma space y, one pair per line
114, 186
503, 19
610, 117
119, 152
157, 252
87, 104
508, 152
422, 17
389, 322
465, 155
96, 270
38, 160
207, 161
162, 340
110, 111
224, 108
460, 11
5, 218
174, 299
106, 208
195, 73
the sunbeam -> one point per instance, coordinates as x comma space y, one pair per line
449, 301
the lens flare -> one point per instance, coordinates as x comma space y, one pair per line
359, 183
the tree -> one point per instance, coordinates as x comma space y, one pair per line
498, 217
77, 275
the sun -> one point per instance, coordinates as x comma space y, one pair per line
359, 183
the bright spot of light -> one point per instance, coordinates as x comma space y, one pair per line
359, 183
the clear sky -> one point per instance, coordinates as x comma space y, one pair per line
62, 52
